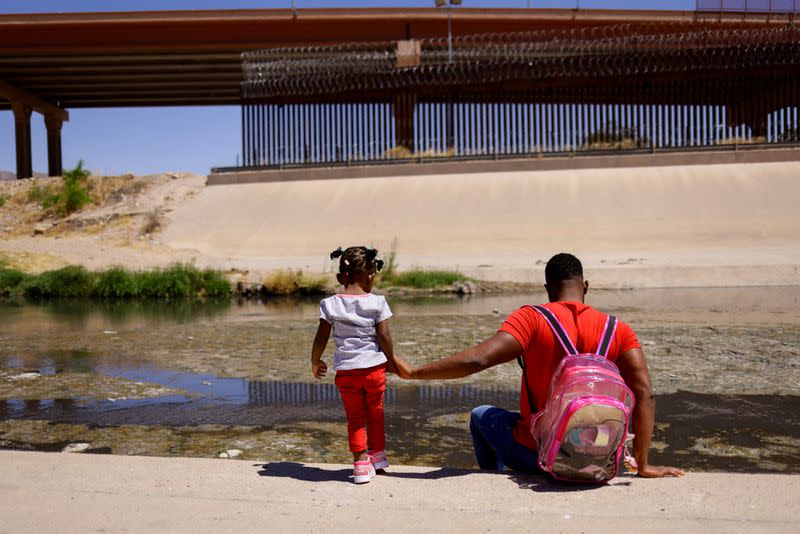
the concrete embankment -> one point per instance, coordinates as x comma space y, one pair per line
51, 492
690, 225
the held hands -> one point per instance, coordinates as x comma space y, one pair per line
399, 366
659, 471
319, 369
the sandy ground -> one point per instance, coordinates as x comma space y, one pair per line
682, 226
81, 493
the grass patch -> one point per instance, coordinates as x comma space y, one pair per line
116, 283
11, 280
288, 282
2, 201
421, 279
173, 283
44, 195
68, 282
181, 282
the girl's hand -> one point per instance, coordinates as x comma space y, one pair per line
319, 369
401, 367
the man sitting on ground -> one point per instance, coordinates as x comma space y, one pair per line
502, 438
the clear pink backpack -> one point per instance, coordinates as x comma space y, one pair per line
582, 431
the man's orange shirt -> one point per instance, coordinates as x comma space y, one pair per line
542, 352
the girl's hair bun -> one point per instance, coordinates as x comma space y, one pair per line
354, 260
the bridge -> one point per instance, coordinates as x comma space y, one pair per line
51, 63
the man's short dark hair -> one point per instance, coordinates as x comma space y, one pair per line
562, 267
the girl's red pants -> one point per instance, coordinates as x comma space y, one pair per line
362, 393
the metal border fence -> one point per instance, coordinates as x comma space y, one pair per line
749, 6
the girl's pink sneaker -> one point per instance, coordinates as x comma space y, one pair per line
379, 459
363, 472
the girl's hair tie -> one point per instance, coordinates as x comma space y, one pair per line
347, 262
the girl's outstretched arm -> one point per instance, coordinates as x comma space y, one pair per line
319, 367
395, 363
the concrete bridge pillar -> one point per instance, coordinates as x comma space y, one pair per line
22, 133
54, 164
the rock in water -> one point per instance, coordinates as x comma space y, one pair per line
233, 453
25, 376
465, 288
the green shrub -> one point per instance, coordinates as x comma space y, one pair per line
43, 195
172, 283
73, 195
2, 201
390, 265
116, 283
288, 282
182, 281
70, 198
215, 285
420, 279
11, 281
68, 282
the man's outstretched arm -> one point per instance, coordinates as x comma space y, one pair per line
634, 371
499, 348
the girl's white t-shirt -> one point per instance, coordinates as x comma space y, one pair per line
353, 318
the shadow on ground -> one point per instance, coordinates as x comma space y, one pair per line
307, 473
537, 483
303, 472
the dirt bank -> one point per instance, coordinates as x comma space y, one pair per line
687, 226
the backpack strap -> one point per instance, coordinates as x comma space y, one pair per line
608, 335
558, 330
560, 334
521, 363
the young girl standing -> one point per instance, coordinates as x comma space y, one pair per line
360, 324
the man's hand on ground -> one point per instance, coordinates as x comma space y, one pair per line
659, 471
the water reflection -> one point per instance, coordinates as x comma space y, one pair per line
282, 393
228, 401
749, 304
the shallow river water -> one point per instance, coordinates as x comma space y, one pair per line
197, 379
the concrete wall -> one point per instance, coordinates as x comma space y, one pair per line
699, 225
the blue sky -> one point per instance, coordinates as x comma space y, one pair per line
149, 140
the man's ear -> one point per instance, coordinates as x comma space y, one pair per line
585, 286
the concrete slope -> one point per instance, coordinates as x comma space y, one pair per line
657, 226
64, 493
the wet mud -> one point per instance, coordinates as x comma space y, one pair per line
199, 380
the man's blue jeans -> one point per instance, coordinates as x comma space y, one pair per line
495, 446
